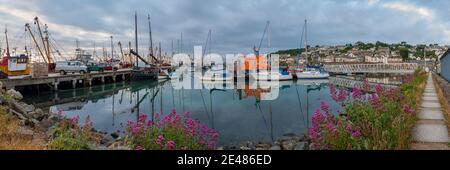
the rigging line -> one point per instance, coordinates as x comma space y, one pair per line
204, 105
300, 104
58, 45
264, 118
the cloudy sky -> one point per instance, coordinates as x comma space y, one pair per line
236, 24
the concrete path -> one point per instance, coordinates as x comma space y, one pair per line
430, 132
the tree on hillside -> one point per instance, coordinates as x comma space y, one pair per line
404, 53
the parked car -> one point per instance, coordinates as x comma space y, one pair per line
109, 67
64, 67
94, 67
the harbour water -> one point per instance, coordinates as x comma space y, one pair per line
238, 115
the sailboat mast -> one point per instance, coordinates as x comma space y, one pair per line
7, 42
160, 55
135, 37
306, 41
150, 35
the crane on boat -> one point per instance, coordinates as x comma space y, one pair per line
256, 50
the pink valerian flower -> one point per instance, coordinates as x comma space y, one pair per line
407, 109
211, 144
343, 94
88, 123
375, 101
356, 93
333, 92
170, 145
366, 86
159, 140
74, 120
331, 127
59, 114
186, 115
379, 89
142, 118
348, 128
356, 134
149, 123
139, 147
325, 107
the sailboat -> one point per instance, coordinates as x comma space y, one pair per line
309, 72
266, 74
217, 73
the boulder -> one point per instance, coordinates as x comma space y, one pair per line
28, 107
25, 131
45, 124
275, 147
301, 146
106, 140
288, 144
263, 146
115, 135
14, 94
244, 148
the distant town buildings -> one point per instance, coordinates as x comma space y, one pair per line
364, 53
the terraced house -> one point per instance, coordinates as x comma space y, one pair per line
445, 65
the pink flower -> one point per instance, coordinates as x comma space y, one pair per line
160, 140
139, 147
142, 117
74, 120
348, 128
325, 107
59, 114
406, 109
149, 123
379, 89
356, 134
170, 145
342, 95
331, 127
366, 86
356, 93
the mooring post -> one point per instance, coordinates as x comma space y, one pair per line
74, 83
103, 79
55, 85
90, 82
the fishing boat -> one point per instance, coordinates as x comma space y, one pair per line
265, 75
217, 74
312, 73
13, 64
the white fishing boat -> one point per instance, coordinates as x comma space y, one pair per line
312, 73
264, 75
217, 74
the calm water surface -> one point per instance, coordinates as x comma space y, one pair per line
238, 115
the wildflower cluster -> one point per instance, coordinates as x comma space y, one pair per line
170, 132
382, 119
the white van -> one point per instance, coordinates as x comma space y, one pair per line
64, 67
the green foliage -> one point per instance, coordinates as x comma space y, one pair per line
382, 120
404, 53
292, 52
69, 136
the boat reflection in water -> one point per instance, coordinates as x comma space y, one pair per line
238, 112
